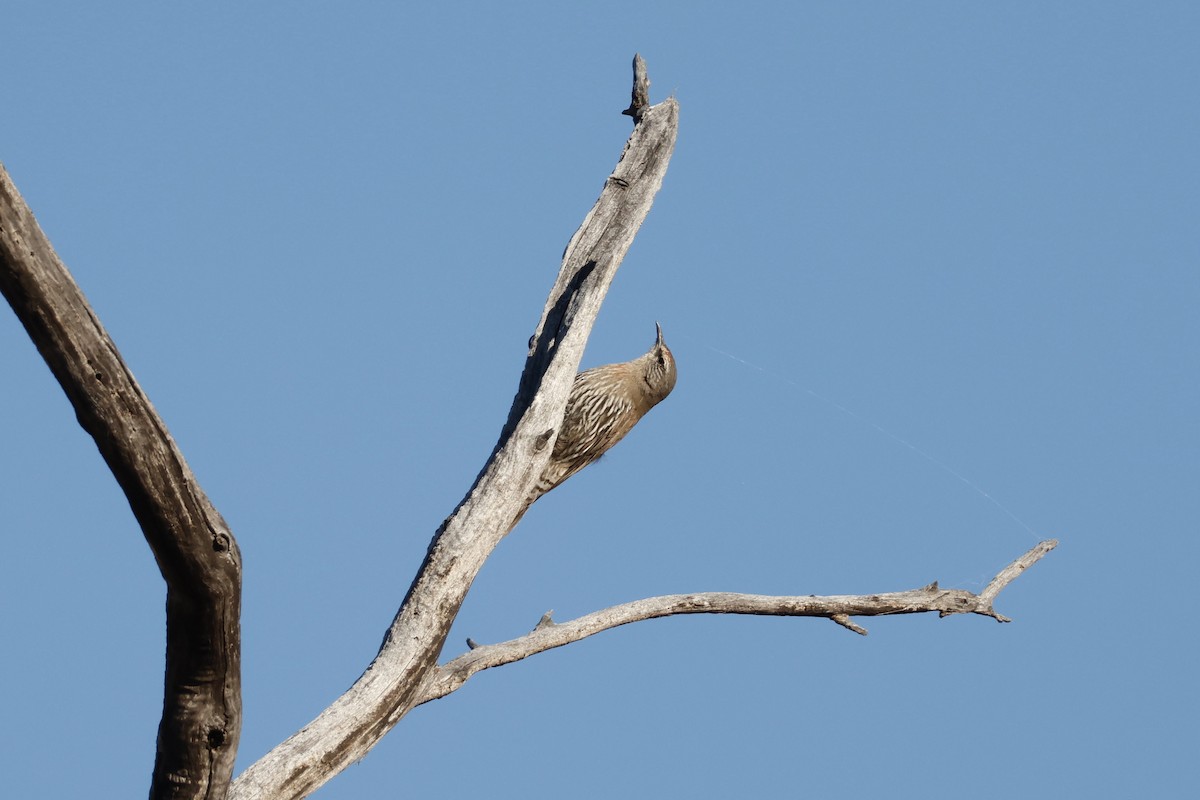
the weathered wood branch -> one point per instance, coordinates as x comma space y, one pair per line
548, 635
391, 685
196, 552
1012, 572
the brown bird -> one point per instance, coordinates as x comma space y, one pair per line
604, 405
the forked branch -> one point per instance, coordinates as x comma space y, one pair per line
839, 608
387, 690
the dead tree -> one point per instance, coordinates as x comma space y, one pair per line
199, 559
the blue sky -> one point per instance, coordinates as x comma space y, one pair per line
321, 235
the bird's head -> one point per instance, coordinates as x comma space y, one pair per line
659, 371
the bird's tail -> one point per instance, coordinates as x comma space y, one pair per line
534, 494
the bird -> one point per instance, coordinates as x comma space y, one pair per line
604, 405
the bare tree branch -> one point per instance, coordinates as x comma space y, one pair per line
390, 686
196, 552
548, 635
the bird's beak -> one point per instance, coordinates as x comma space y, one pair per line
660, 341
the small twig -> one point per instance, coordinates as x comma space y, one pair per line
640, 99
845, 622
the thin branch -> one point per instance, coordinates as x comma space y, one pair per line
194, 548
1010, 573
839, 608
390, 686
